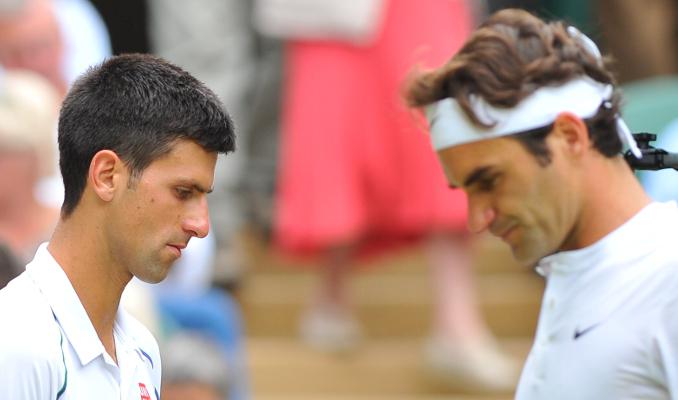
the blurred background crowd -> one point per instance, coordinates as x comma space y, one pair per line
332, 176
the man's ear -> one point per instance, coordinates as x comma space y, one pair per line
573, 132
105, 174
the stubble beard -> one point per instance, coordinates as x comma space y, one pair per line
154, 270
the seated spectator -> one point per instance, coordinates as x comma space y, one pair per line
30, 39
57, 39
28, 112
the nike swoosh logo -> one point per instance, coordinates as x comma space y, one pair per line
578, 333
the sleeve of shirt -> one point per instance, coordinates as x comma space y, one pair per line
28, 372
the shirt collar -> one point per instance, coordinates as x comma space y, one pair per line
124, 326
68, 310
633, 239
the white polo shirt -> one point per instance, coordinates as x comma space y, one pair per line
608, 327
49, 349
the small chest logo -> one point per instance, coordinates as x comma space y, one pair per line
578, 333
144, 392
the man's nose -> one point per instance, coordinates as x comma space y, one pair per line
480, 217
198, 222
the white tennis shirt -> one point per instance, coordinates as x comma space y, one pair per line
49, 349
608, 326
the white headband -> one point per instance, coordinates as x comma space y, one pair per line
450, 126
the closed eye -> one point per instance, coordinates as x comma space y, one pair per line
183, 193
483, 179
487, 184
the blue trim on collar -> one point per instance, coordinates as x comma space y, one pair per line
147, 356
62, 390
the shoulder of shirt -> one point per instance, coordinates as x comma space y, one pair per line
25, 312
665, 221
669, 309
30, 338
663, 283
664, 218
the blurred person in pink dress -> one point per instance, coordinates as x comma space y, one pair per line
358, 175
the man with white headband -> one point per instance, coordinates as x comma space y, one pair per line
525, 120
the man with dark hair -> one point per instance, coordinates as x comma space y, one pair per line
138, 143
525, 120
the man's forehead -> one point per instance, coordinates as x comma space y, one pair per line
186, 158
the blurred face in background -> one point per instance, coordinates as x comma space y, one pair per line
30, 39
18, 174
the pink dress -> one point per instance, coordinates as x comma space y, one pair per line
356, 164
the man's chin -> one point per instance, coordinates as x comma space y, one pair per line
154, 279
525, 256
157, 275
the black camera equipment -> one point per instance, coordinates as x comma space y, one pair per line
652, 158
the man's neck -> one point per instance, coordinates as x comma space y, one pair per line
81, 252
613, 196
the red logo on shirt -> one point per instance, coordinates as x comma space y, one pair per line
144, 392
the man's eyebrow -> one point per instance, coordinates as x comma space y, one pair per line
197, 187
202, 189
476, 175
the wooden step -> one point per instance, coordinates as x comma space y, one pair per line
392, 295
389, 305
283, 367
393, 300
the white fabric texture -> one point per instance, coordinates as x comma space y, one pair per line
354, 21
50, 350
607, 327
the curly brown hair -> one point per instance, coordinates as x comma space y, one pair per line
506, 59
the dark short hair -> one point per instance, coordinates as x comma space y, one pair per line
509, 57
138, 106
